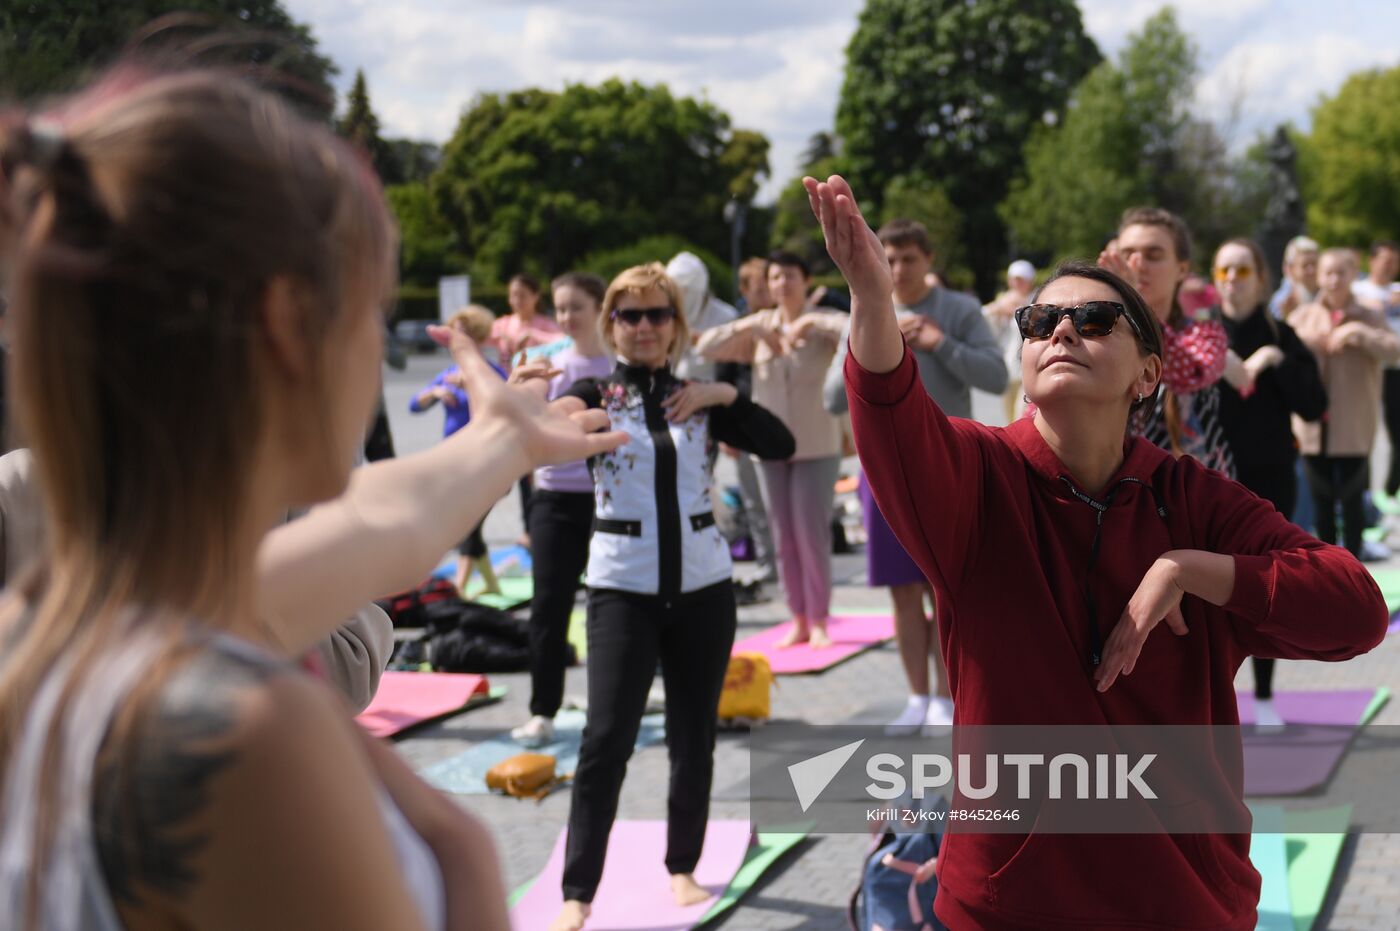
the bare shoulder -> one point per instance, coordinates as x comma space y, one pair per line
224, 727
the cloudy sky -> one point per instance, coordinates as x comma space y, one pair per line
775, 65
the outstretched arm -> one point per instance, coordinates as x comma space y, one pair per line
398, 516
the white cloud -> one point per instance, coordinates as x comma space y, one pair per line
776, 65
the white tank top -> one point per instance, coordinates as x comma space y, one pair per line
73, 891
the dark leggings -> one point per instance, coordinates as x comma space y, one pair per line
1390, 397
691, 635
1333, 479
560, 525
473, 545
1277, 484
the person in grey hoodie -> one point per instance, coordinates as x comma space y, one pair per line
702, 312
956, 352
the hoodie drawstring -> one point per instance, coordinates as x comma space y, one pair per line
1101, 507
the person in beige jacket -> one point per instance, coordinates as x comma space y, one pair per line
790, 348
1352, 344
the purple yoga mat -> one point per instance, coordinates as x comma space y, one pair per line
849, 635
635, 893
1302, 757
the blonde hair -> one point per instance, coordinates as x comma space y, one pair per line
1348, 256
475, 321
638, 280
145, 224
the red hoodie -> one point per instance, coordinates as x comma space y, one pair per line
989, 516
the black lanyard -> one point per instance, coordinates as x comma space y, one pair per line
1101, 507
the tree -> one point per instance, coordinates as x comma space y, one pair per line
361, 126
1128, 138
949, 91
53, 46
1350, 164
537, 179
414, 160
425, 241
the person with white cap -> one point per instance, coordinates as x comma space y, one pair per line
703, 311
1020, 279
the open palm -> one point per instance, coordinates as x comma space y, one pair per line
850, 241
548, 434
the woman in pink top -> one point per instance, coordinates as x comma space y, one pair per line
524, 326
511, 335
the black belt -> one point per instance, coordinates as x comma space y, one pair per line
633, 528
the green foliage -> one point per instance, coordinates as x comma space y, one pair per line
535, 179
1350, 165
414, 160
795, 229
52, 46
949, 91
360, 125
609, 262
425, 241
1128, 138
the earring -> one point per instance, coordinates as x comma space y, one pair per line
1026, 398
1140, 396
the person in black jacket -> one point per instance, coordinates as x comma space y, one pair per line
658, 577
1269, 376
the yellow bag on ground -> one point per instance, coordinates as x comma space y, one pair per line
748, 685
525, 775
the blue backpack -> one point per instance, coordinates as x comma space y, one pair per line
890, 898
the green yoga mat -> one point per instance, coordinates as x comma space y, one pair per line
515, 592
1315, 840
1374, 708
768, 849
1388, 581
761, 857
578, 633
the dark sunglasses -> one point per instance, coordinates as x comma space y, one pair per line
1093, 320
656, 315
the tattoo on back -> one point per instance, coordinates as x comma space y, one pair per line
150, 797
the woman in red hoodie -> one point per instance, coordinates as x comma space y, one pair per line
1112, 536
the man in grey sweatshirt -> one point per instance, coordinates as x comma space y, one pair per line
956, 352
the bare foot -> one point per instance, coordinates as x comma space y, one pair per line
820, 639
686, 890
571, 917
798, 634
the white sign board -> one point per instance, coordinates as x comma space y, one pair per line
454, 293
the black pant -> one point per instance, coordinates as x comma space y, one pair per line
691, 635
1277, 484
473, 545
560, 526
1338, 478
1390, 399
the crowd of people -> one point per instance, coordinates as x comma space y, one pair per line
195, 273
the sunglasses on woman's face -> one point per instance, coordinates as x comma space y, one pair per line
655, 315
1242, 272
1093, 320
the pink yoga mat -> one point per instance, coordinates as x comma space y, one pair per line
1302, 757
635, 893
408, 698
849, 635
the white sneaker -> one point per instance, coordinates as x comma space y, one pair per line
940, 712
1373, 552
534, 733
1266, 716
911, 718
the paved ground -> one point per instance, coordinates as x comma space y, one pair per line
810, 887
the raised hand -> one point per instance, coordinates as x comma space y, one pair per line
850, 241
526, 371
1113, 260
875, 338
544, 434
